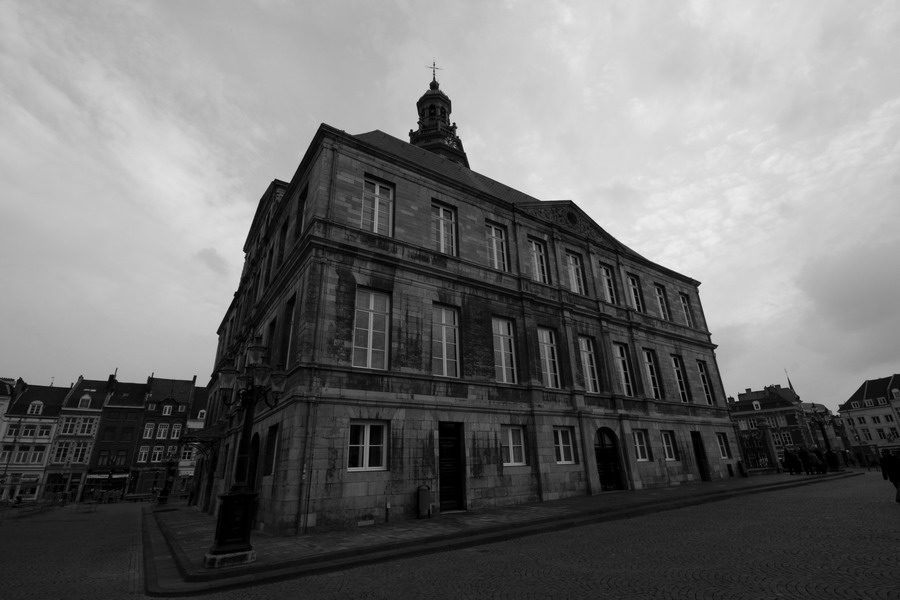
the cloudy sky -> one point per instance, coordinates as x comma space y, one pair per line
754, 146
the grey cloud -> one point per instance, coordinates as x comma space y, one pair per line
213, 260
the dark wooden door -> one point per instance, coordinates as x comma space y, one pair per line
700, 455
607, 452
452, 467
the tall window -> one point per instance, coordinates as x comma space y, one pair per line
22, 453
589, 364
366, 451
370, 335
704, 379
539, 261
662, 301
148, 431
512, 445
724, 447
37, 456
686, 311
565, 449
162, 431
624, 369
87, 426
634, 290
678, 368
443, 228
549, 362
167, 410
669, 445
6, 452
496, 246
176, 431
576, 272
444, 342
80, 452
68, 425
652, 373
377, 207
504, 351
642, 445
609, 286
62, 452
157, 454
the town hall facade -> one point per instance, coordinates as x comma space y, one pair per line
449, 338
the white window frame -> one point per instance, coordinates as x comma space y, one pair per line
496, 246
680, 378
686, 310
641, 445
444, 341
162, 432
670, 445
662, 301
37, 454
36, 408
549, 360
512, 446
609, 286
148, 431
575, 270
157, 454
167, 410
704, 380
143, 454
371, 329
81, 452
504, 350
634, 289
443, 228
652, 372
69, 426
377, 207
361, 432
61, 452
589, 365
724, 445
176, 431
564, 445
539, 271
623, 368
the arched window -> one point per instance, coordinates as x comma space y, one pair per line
84, 401
36, 408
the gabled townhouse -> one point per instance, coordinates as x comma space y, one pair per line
158, 445
117, 433
871, 417
73, 444
26, 435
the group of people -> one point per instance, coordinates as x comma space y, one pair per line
890, 470
809, 461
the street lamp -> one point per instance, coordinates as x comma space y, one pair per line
237, 507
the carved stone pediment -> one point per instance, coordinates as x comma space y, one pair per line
569, 217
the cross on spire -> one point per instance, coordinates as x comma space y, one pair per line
434, 68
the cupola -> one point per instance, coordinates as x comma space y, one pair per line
435, 132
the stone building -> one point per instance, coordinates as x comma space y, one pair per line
871, 418
442, 330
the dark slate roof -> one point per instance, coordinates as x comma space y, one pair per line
772, 396
872, 389
128, 394
443, 166
163, 389
97, 389
7, 386
51, 397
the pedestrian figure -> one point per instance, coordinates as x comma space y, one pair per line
890, 470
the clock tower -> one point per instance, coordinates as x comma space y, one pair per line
435, 132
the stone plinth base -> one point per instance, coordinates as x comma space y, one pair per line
215, 561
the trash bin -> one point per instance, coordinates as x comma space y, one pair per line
424, 494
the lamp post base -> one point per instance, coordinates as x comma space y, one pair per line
232, 543
216, 561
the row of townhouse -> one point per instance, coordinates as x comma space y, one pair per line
97, 438
872, 418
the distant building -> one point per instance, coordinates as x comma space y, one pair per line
114, 448
871, 418
442, 331
26, 433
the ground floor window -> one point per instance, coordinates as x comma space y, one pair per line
670, 447
366, 451
512, 445
642, 445
565, 450
724, 447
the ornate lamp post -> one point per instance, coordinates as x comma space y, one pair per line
258, 382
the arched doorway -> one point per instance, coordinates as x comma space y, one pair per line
606, 449
253, 464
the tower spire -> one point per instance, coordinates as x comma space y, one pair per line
436, 133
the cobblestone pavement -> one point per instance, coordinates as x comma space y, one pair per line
835, 539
